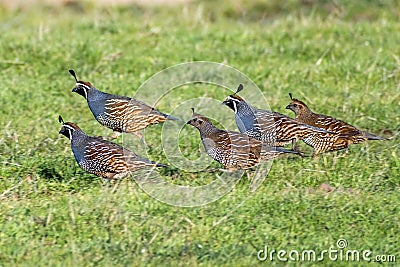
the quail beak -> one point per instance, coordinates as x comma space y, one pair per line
74, 89
225, 102
288, 107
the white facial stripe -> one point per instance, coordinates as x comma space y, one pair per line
70, 130
68, 127
85, 88
70, 133
234, 106
234, 103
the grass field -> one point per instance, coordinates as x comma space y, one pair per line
342, 58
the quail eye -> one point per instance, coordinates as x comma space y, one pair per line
295, 105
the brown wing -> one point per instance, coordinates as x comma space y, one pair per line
335, 125
104, 159
346, 131
133, 115
107, 159
235, 150
282, 128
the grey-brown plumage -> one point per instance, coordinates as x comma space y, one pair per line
119, 113
232, 149
274, 128
348, 134
101, 157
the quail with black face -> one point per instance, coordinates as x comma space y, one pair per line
101, 157
119, 113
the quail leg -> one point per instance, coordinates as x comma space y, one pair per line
141, 137
248, 175
294, 148
294, 144
115, 135
315, 155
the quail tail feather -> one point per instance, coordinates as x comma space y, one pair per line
371, 136
172, 118
280, 149
157, 164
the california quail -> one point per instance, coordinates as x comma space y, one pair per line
348, 133
101, 157
274, 128
232, 149
119, 113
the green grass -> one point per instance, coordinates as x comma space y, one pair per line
341, 58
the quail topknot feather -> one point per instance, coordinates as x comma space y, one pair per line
232, 149
348, 133
101, 157
274, 128
119, 113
